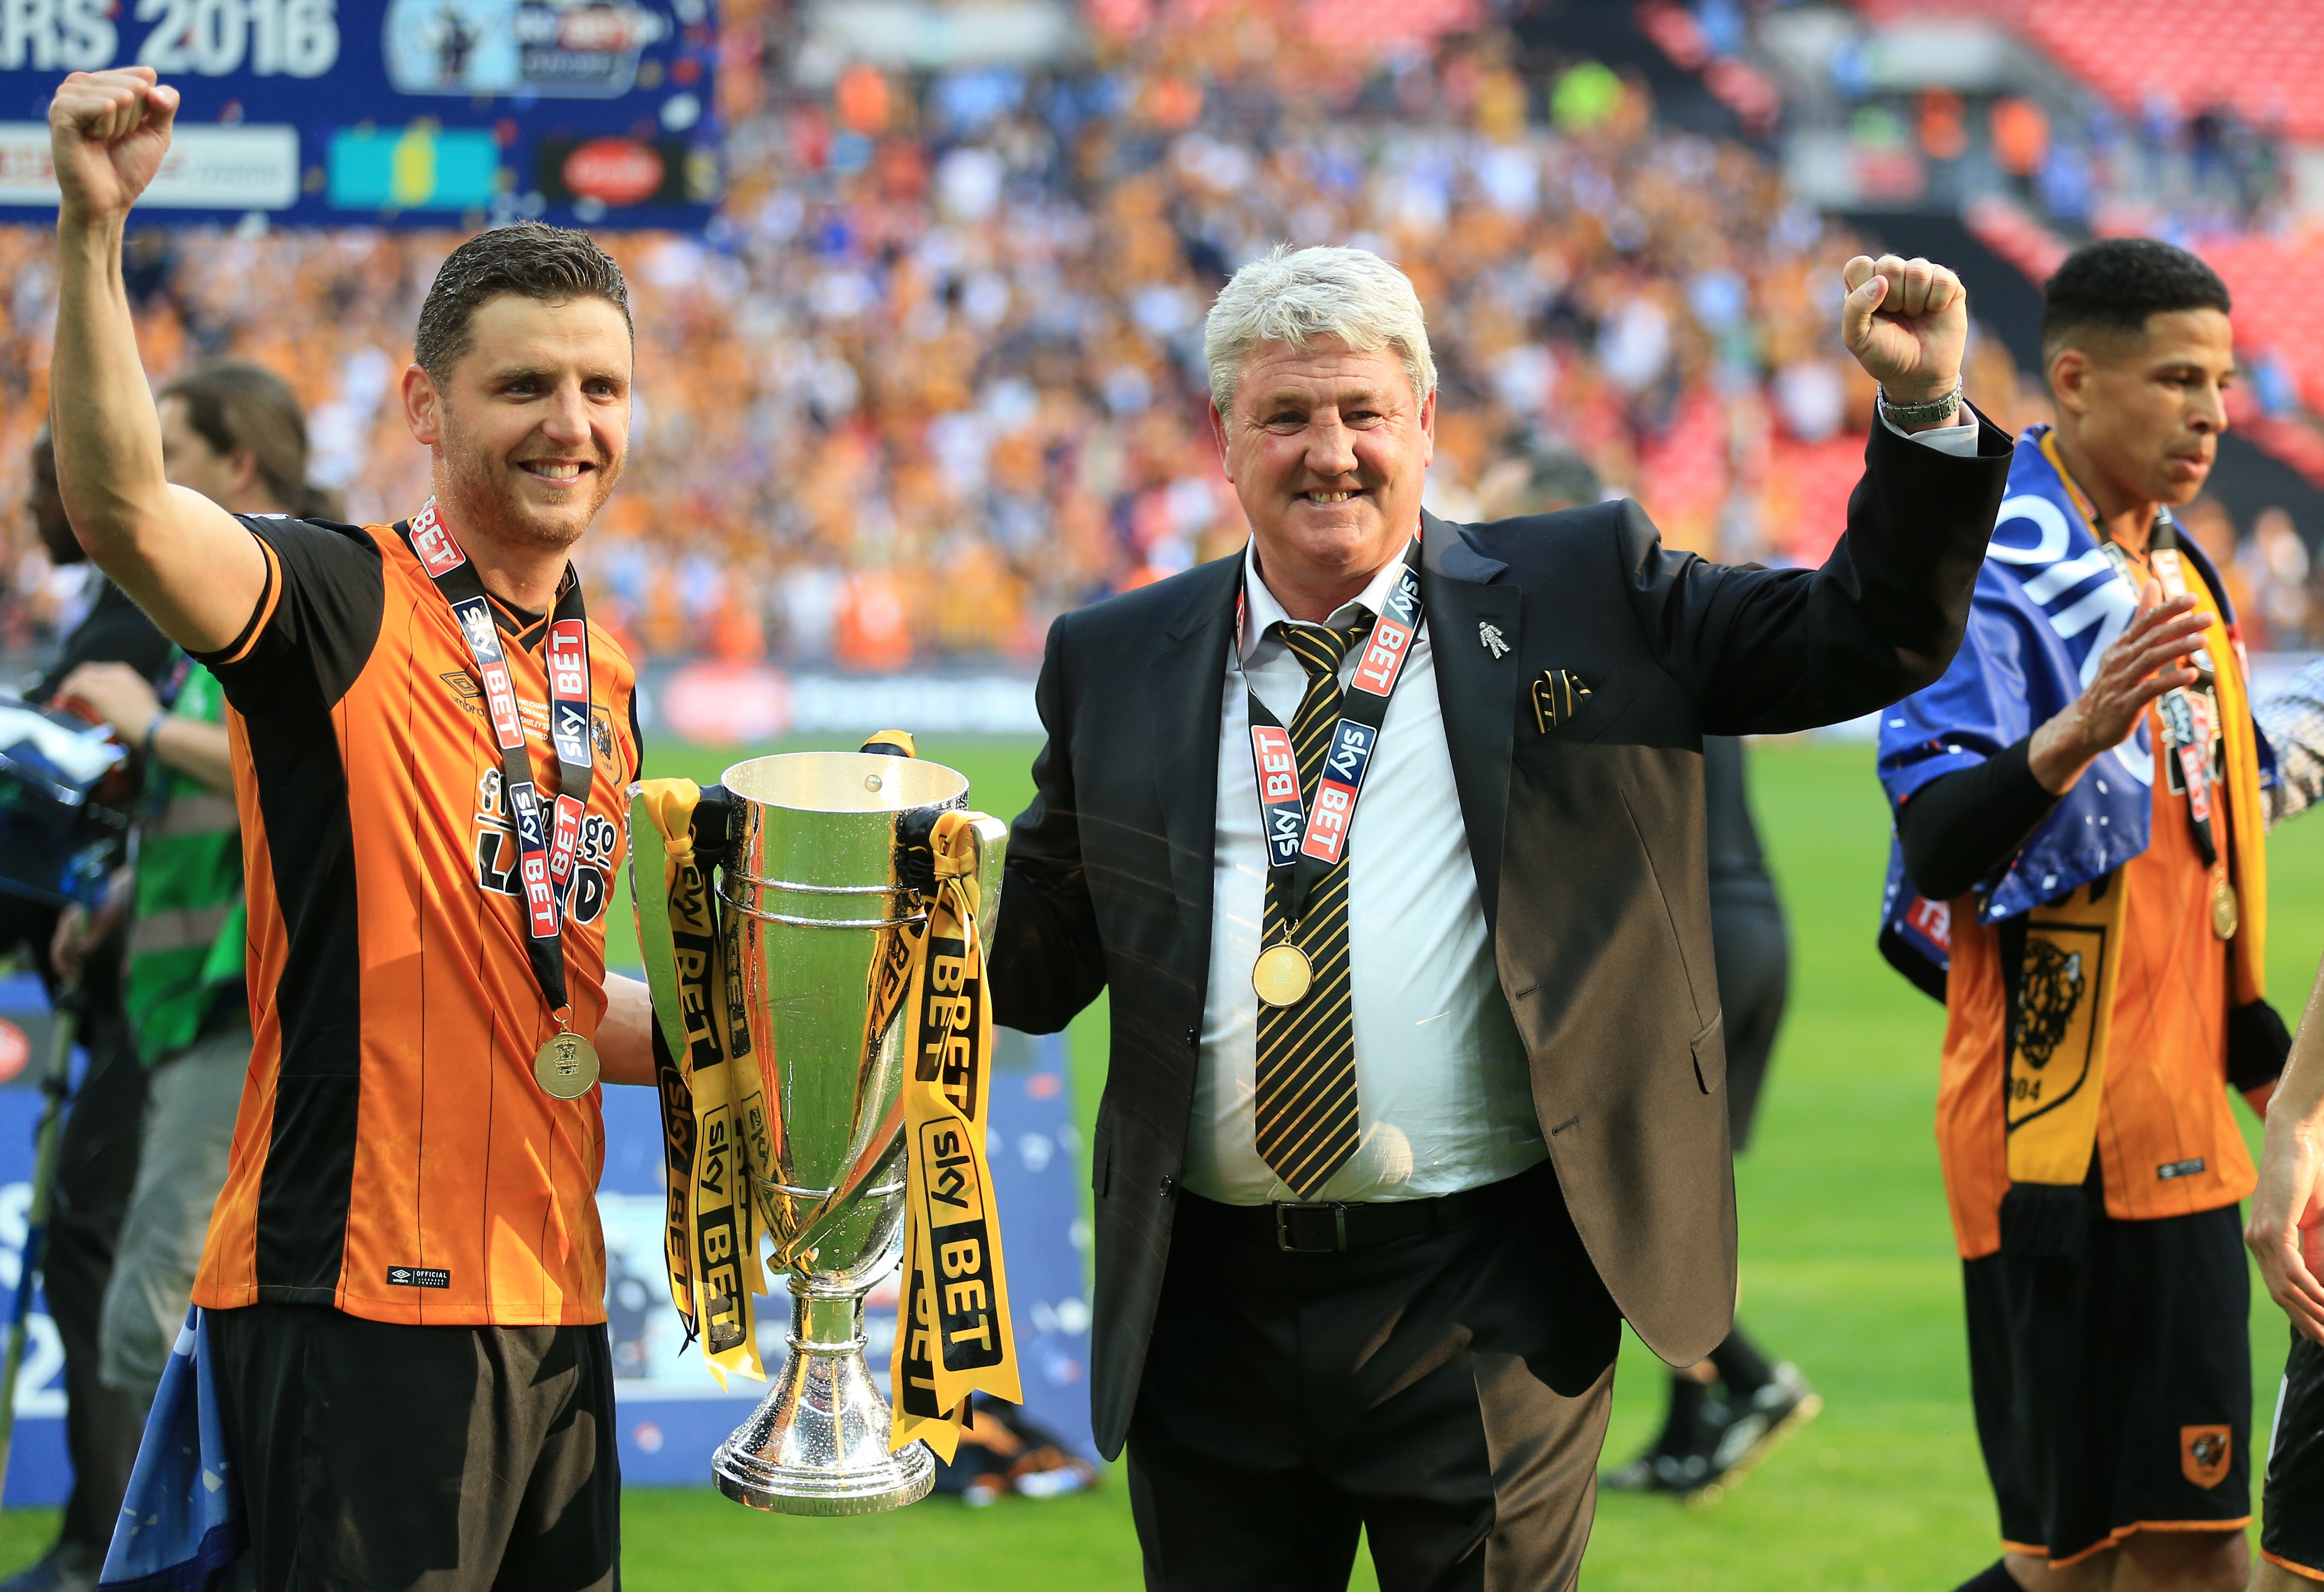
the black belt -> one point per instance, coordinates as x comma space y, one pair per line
1332, 1227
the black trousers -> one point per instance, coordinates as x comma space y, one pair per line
1446, 1393
394, 1458
1753, 954
97, 1168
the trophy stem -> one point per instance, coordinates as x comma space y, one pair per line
817, 1443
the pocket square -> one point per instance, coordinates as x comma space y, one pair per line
1557, 696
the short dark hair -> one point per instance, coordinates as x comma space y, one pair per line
551, 264
1557, 478
2116, 283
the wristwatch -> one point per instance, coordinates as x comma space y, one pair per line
1933, 412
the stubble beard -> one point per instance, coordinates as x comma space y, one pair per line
482, 502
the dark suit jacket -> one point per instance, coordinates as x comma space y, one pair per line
1587, 841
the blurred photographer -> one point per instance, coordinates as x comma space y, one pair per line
233, 433
96, 1162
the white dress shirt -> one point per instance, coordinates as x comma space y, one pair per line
1444, 1092
1442, 1086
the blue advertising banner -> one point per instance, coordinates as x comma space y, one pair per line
39, 1473
419, 112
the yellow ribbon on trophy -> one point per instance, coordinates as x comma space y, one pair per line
954, 1335
712, 1254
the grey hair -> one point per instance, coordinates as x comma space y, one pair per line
1297, 297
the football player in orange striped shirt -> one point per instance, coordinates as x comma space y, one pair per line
404, 1278
2078, 807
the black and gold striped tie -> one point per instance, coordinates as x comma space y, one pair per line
1305, 1112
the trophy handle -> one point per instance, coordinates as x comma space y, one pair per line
991, 861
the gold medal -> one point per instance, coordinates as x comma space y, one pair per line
566, 1066
1282, 976
2225, 914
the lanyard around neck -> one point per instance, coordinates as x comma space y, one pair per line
2186, 735
1305, 839
545, 850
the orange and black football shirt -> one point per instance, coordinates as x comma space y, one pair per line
393, 1156
2167, 1141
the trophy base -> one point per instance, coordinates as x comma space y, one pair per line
817, 1443
905, 1480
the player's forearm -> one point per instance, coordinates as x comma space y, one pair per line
2060, 751
198, 749
108, 438
2298, 1103
625, 1033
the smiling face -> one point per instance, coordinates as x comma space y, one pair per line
1327, 449
2142, 411
531, 428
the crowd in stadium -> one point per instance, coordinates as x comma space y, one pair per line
936, 376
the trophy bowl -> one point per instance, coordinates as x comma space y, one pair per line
813, 908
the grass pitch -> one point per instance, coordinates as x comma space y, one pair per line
1847, 1269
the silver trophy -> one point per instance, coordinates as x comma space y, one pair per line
812, 906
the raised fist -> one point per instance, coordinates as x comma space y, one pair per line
107, 132
1906, 321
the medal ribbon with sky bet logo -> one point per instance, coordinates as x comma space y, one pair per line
1304, 1110
546, 842
1304, 842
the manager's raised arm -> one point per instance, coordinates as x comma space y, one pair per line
1774, 650
182, 557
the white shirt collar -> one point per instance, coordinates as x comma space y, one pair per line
1260, 609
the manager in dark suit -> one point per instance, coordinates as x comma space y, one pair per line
1403, 1120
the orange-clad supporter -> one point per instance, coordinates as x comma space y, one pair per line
402, 1289
2021, 135
2081, 874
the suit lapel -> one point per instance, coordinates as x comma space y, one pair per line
1185, 686
1476, 685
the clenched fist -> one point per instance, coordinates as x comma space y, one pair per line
1906, 321
107, 132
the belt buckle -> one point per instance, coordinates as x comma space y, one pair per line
1283, 1235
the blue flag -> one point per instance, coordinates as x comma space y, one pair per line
2047, 605
182, 1522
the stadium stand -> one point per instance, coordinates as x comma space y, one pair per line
935, 374
2262, 57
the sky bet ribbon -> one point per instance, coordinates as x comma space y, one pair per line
546, 842
955, 1291
709, 1241
1304, 842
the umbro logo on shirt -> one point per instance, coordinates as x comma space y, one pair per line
418, 1276
535, 714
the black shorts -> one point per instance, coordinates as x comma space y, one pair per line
2110, 1367
2292, 1534
376, 1455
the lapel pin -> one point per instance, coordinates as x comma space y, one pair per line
1557, 696
1488, 636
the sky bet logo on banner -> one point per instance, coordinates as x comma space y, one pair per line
425, 112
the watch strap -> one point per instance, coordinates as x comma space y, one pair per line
1930, 413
